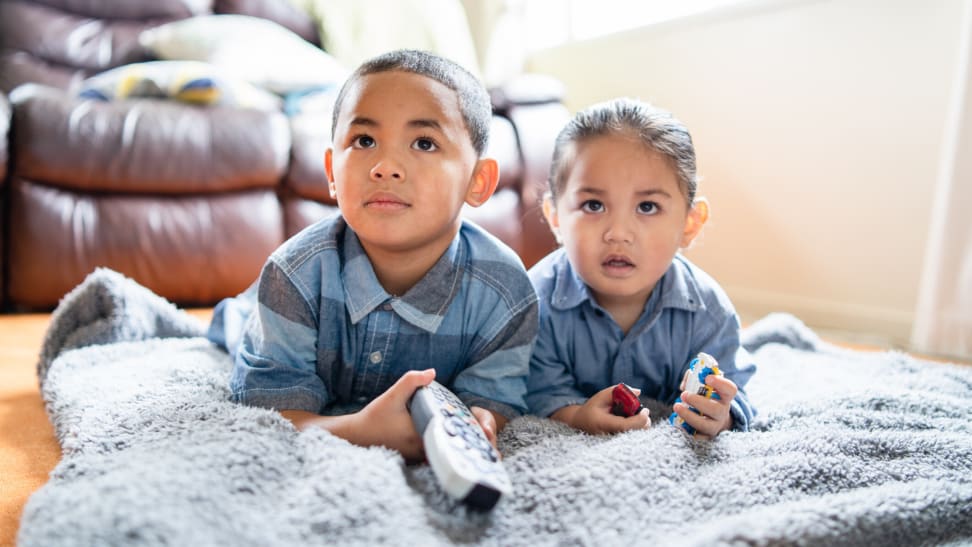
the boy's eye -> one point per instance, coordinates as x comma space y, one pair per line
648, 208
363, 141
425, 145
592, 206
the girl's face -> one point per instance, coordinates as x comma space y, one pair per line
621, 218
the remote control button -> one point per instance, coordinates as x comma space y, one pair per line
452, 426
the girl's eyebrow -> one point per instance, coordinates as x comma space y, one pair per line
652, 192
361, 120
643, 193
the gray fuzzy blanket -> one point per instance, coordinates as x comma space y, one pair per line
849, 448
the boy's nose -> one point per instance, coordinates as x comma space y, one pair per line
387, 169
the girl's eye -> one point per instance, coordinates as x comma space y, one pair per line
592, 206
363, 141
648, 207
425, 145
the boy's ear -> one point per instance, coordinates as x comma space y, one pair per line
697, 216
550, 213
485, 179
329, 169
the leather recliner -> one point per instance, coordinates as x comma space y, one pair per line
187, 200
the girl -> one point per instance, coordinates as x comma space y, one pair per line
617, 301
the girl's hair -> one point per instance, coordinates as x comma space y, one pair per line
474, 103
656, 128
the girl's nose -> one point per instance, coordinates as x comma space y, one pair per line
619, 230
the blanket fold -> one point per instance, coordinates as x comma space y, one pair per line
848, 448
108, 307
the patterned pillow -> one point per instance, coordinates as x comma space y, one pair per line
188, 81
258, 50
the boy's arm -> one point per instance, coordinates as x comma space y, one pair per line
276, 360
496, 379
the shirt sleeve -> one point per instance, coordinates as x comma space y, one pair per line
720, 339
275, 365
497, 376
551, 385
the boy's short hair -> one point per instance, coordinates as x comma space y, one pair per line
474, 103
656, 128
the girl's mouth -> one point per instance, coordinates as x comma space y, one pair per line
617, 262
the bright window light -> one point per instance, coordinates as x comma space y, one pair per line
554, 22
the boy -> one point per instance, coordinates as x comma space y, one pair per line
365, 307
617, 303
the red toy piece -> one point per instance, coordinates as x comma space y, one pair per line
626, 403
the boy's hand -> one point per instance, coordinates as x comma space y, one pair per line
384, 422
715, 416
595, 415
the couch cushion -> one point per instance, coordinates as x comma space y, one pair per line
154, 9
64, 42
145, 146
193, 250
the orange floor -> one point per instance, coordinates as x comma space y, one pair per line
28, 449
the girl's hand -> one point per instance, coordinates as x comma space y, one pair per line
595, 416
715, 417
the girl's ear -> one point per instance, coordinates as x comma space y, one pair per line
329, 169
484, 182
550, 213
697, 216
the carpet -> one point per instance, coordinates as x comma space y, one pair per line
848, 448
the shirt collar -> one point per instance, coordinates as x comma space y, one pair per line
424, 305
677, 288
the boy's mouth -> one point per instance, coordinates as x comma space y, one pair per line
385, 200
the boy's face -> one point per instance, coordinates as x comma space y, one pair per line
622, 217
402, 163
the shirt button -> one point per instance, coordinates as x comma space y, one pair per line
375, 357
386, 306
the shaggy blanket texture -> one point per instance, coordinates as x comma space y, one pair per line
849, 448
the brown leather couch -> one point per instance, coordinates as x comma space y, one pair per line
187, 200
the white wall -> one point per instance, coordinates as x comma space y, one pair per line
819, 126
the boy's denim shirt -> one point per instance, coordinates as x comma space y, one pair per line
581, 350
318, 329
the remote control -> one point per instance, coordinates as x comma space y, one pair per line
466, 464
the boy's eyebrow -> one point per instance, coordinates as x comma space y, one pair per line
420, 123
433, 124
